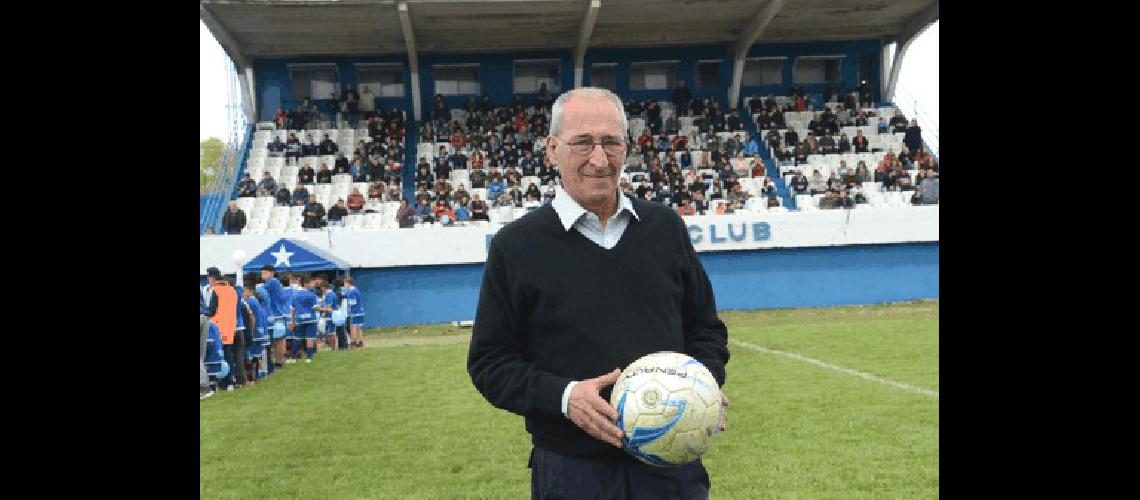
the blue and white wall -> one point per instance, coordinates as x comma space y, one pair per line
752, 279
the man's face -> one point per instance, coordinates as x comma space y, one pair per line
590, 178
233, 206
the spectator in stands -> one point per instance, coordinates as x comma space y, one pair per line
479, 209
298, 119
283, 196
441, 210
684, 208
733, 121
375, 170
368, 103
905, 157
843, 118
327, 147
843, 200
355, 201
440, 113
827, 144
791, 138
314, 214
543, 99
405, 215
861, 120
860, 143
929, 187
817, 183
376, 191
478, 179
309, 146
351, 105
292, 148
300, 195
324, 176
234, 219
855, 192
681, 98
281, 118
337, 213
276, 147
898, 122
306, 175
844, 144
247, 187
834, 183
267, 186
913, 137
862, 173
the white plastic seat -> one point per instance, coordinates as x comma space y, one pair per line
353, 221
263, 201
246, 204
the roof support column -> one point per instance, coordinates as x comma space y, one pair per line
914, 27
584, 32
748, 36
413, 60
249, 92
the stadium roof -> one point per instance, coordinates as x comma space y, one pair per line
289, 28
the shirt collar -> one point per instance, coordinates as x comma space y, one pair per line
569, 211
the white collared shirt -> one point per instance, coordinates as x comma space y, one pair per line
572, 215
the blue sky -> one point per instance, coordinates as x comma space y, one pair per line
918, 78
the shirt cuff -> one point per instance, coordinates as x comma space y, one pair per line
566, 397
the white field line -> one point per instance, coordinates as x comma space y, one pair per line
868, 376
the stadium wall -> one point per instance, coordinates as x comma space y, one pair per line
496, 71
754, 279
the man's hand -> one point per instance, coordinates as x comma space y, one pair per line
724, 412
592, 413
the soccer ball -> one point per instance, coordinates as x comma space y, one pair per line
669, 407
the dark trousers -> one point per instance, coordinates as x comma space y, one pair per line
554, 475
341, 337
235, 356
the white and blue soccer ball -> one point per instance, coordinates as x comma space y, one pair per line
669, 406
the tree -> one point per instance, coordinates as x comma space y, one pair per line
209, 161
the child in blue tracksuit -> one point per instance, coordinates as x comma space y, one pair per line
305, 310
329, 303
255, 349
280, 300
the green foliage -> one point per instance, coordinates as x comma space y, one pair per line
402, 420
209, 160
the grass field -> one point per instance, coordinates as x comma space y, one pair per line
401, 419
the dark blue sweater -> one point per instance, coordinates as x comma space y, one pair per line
556, 307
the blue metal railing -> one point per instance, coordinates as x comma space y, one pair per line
224, 186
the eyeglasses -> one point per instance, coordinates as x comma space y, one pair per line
585, 146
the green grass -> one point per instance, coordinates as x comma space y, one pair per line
402, 420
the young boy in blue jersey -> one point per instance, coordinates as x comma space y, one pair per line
255, 350
242, 336
355, 312
279, 303
266, 308
343, 324
295, 341
329, 303
305, 310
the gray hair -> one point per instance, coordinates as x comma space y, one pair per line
595, 92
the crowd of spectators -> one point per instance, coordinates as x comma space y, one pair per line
843, 188
686, 158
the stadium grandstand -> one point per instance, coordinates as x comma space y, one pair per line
400, 135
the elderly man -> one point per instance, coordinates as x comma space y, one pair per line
549, 340
234, 219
